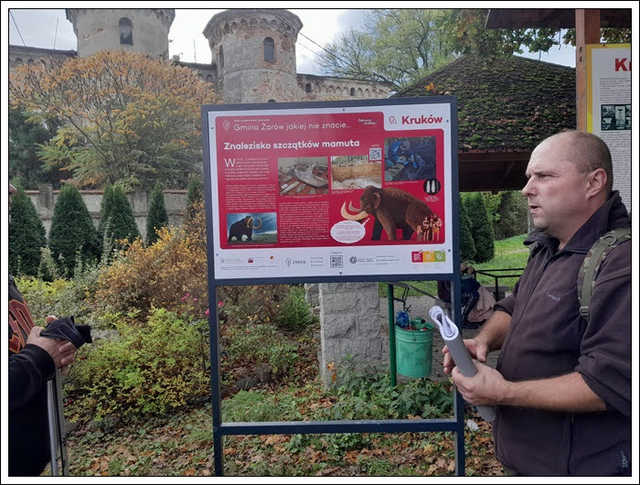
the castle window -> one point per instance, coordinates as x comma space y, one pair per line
271, 101
126, 31
215, 71
221, 57
269, 50
352, 92
307, 88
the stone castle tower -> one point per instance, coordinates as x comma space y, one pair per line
253, 52
138, 30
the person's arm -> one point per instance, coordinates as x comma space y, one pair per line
567, 393
34, 364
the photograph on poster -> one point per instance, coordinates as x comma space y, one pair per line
256, 228
615, 117
303, 175
395, 211
411, 158
354, 172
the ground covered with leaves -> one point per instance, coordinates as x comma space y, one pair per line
180, 443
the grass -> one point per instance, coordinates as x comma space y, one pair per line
509, 253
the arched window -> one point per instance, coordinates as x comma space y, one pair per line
269, 50
126, 31
307, 88
271, 101
221, 57
352, 92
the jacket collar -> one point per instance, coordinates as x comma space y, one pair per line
612, 214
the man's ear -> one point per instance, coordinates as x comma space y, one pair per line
596, 182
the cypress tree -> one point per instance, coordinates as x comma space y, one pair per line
72, 232
467, 247
26, 235
106, 206
481, 228
157, 217
121, 223
194, 197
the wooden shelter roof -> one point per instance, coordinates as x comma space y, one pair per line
506, 106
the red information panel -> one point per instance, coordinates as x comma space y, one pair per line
323, 192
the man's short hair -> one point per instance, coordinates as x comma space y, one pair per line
591, 153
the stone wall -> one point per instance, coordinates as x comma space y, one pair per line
174, 200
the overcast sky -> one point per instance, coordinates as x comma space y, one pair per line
49, 28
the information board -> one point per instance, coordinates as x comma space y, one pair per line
609, 107
331, 189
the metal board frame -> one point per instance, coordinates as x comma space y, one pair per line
221, 429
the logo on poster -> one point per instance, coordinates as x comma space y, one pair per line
393, 120
226, 124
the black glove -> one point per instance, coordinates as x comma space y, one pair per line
66, 329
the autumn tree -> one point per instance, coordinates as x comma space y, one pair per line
127, 118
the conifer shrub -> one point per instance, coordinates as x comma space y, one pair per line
72, 234
120, 221
513, 215
26, 236
481, 227
467, 246
106, 206
194, 197
157, 217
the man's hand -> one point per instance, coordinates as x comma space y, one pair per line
487, 387
477, 348
62, 352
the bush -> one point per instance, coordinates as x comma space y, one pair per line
26, 236
59, 297
467, 246
481, 227
72, 232
158, 275
294, 312
148, 371
157, 217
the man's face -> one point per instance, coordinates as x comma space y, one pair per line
556, 189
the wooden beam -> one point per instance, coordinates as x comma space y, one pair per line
587, 32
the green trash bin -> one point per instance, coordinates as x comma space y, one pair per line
413, 351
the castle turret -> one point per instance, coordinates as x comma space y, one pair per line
254, 54
143, 30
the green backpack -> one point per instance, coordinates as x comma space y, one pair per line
591, 265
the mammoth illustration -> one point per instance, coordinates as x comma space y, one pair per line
244, 227
393, 209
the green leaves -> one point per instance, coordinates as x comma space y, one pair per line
136, 119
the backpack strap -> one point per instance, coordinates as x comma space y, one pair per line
591, 265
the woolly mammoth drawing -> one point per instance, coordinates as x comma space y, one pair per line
244, 227
393, 209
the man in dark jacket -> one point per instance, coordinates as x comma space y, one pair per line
562, 385
32, 361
